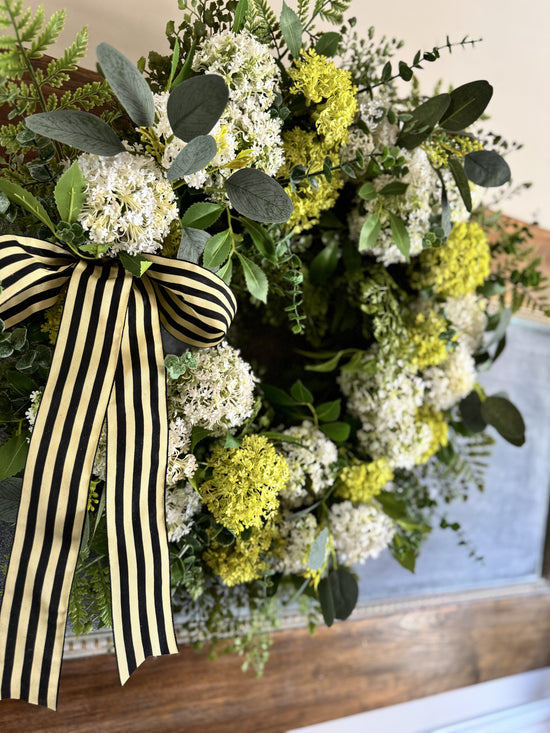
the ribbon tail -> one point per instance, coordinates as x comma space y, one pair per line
137, 446
56, 483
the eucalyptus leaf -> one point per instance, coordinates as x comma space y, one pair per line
13, 454
196, 104
255, 278
70, 193
291, 29
259, 197
10, 496
4, 203
422, 121
195, 156
129, 86
468, 102
192, 244
461, 181
470, 412
80, 130
26, 200
486, 168
505, 418
338, 594
217, 249
318, 551
369, 232
202, 215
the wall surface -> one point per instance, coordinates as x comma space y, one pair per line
514, 56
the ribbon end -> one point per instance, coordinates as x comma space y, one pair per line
126, 672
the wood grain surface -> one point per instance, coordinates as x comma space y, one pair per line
351, 668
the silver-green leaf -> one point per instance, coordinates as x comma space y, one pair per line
128, 84
195, 156
196, 104
80, 130
259, 197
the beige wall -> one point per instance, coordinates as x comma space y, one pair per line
514, 57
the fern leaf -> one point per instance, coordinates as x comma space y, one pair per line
303, 10
49, 35
33, 28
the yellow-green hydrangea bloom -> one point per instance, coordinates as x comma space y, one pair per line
439, 429
245, 483
304, 148
425, 345
361, 481
317, 78
459, 266
244, 561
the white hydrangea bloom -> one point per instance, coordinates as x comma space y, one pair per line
450, 381
414, 208
359, 532
468, 317
129, 202
182, 505
298, 536
312, 465
386, 403
253, 78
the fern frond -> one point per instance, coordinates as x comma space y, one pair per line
49, 35
333, 10
263, 21
56, 72
303, 10
34, 26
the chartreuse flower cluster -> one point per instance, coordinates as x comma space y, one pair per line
362, 481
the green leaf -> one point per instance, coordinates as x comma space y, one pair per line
192, 244
423, 120
80, 130
395, 188
13, 454
198, 433
461, 181
369, 232
226, 272
10, 496
4, 204
255, 279
240, 16
217, 249
137, 265
259, 197
505, 418
318, 550
291, 29
338, 594
468, 102
262, 240
470, 412
276, 396
196, 104
301, 393
400, 235
368, 192
329, 411
129, 86
486, 168
405, 71
70, 193
195, 156
336, 431
26, 200
327, 44
202, 215
392, 506
324, 263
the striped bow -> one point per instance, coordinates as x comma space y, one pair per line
108, 363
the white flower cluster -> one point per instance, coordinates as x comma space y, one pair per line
218, 394
311, 462
386, 402
468, 316
182, 505
35, 398
359, 532
414, 208
298, 536
253, 78
129, 202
